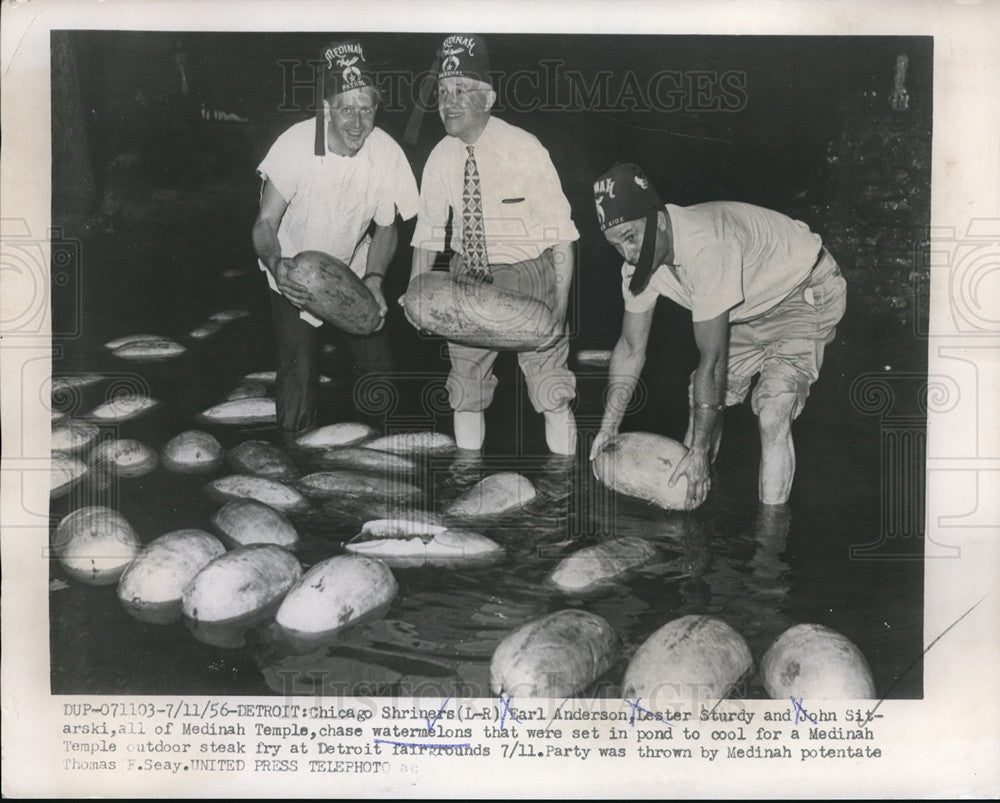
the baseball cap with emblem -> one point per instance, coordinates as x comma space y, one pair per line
622, 194
343, 67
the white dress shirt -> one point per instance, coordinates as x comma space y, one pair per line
524, 209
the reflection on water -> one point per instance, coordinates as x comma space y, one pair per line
767, 586
760, 569
440, 633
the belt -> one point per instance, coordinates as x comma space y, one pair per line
799, 288
823, 253
819, 258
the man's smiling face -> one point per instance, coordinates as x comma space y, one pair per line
464, 105
352, 118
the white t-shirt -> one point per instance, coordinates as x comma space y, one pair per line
729, 256
333, 199
524, 208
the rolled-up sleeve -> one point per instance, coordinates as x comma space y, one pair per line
432, 209
636, 303
282, 166
553, 215
400, 189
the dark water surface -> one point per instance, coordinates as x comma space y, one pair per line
761, 572
816, 140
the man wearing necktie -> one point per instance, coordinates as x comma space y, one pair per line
511, 227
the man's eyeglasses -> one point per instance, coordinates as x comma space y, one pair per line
457, 93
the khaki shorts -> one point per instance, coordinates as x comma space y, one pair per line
785, 345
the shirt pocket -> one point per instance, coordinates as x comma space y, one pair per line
510, 191
510, 213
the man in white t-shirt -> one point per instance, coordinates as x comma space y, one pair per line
513, 229
334, 185
765, 297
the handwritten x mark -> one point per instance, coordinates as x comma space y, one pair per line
506, 711
800, 710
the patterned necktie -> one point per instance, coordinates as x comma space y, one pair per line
475, 260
